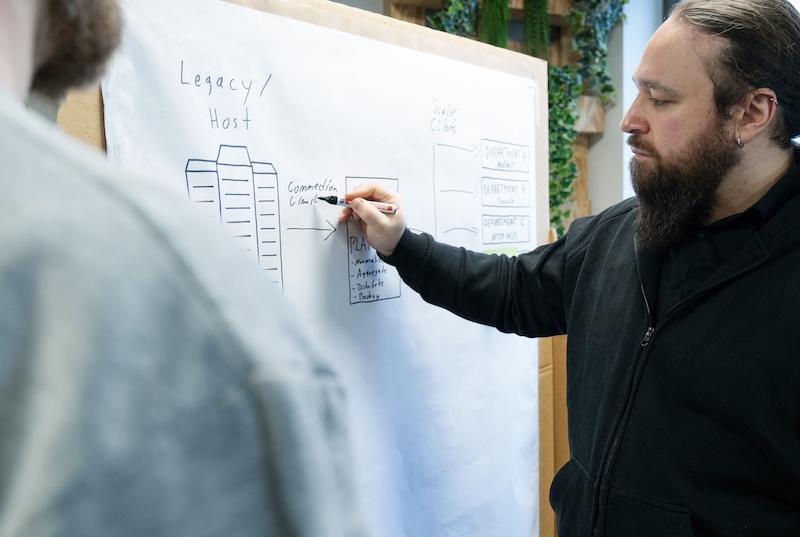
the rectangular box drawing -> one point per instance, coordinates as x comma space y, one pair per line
463, 194
243, 196
505, 193
505, 229
505, 156
370, 279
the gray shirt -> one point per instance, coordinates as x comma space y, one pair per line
151, 380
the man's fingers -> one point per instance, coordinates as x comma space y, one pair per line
366, 211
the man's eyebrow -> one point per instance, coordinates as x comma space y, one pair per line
654, 85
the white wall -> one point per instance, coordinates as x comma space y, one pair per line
609, 155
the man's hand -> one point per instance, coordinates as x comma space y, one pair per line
382, 231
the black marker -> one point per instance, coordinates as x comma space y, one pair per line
344, 202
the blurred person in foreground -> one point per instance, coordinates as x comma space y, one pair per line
682, 304
152, 382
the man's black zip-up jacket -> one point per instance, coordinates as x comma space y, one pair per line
685, 427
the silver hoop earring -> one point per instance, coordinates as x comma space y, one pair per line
739, 143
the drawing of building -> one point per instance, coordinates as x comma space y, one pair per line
243, 196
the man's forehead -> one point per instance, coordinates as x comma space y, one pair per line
655, 85
675, 59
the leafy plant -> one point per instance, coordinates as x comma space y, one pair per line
536, 29
591, 22
493, 22
457, 17
563, 91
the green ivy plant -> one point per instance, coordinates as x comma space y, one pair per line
591, 22
563, 91
457, 17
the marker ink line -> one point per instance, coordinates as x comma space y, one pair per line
344, 202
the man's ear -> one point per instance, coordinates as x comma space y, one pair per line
755, 114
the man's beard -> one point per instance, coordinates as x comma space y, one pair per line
78, 37
677, 197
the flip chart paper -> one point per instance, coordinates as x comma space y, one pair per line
251, 116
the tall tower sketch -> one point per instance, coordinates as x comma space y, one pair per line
243, 196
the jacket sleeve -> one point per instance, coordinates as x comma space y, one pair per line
521, 294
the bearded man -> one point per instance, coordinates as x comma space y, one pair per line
151, 381
683, 368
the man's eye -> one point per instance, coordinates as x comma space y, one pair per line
657, 102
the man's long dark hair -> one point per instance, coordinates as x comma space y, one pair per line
762, 50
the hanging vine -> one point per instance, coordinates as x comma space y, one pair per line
563, 91
536, 29
591, 22
457, 17
493, 22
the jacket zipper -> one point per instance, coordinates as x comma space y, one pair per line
610, 457
617, 435
647, 335
650, 328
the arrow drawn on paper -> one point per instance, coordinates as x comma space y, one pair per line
473, 150
472, 230
474, 192
330, 230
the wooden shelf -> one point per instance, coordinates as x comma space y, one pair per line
559, 7
591, 115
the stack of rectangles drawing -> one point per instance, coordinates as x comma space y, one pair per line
243, 196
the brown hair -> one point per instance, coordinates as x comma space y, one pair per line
761, 50
76, 39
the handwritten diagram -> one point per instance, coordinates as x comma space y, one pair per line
370, 278
252, 132
243, 196
480, 200
472, 207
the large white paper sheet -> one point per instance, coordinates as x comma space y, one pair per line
251, 116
